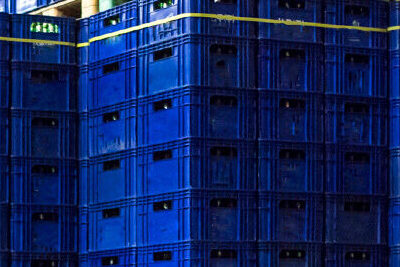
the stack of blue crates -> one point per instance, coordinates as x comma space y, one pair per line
42, 152
356, 126
394, 140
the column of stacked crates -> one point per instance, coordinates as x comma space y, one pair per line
356, 135
4, 140
394, 136
168, 166
291, 135
42, 162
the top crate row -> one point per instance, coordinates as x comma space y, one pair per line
37, 39
370, 14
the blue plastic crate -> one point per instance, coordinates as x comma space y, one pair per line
45, 229
4, 180
112, 81
225, 216
285, 217
43, 134
4, 132
83, 37
216, 254
43, 87
197, 60
113, 20
5, 82
356, 170
4, 228
393, 221
291, 10
112, 129
357, 256
290, 167
356, 121
151, 11
394, 74
43, 28
195, 112
354, 219
83, 227
83, 133
28, 259
197, 163
370, 13
291, 116
212, 164
289, 254
394, 178
394, 20
45, 182
5, 46
356, 71
289, 66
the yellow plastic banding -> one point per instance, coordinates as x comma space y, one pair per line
202, 15
22, 40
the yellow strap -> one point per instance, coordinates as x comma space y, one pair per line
202, 15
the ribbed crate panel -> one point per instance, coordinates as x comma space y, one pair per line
195, 112
212, 164
290, 167
289, 254
46, 259
290, 66
112, 129
226, 216
113, 20
112, 81
83, 133
356, 170
290, 217
5, 83
84, 84
394, 257
43, 134
356, 255
291, 116
4, 132
46, 29
197, 60
5, 47
393, 220
394, 74
83, 37
35, 228
356, 71
356, 220
43, 86
369, 13
4, 228
305, 11
41, 181
4, 180
394, 20
394, 178
356, 121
